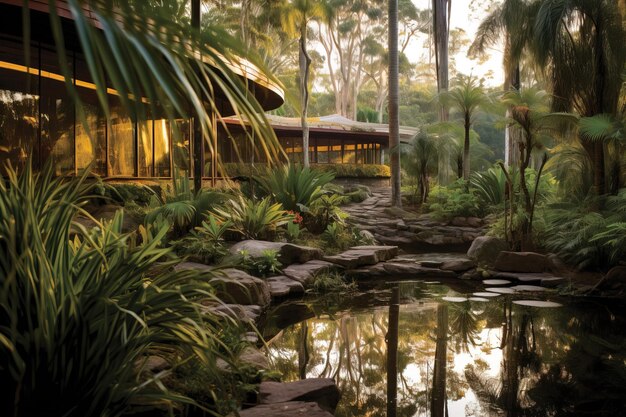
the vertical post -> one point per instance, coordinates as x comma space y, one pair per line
198, 140
394, 123
392, 352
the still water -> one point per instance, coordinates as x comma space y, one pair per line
457, 354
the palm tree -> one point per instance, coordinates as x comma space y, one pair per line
467, 98
580, 45
420, 160
296, 19
394, 123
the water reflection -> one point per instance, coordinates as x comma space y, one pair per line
471, 358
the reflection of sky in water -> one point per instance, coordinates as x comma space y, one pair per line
350, 347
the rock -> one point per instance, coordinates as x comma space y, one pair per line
552, 282
474, 222
485, 249
358, 256
459, 221
431, 264
520, 262
243, 313
238, 287
281, 286
555, 264
393, 240
253, 357
153, 364
458, 265
399, 270
290, 409
288, 253
322, 391
305, 273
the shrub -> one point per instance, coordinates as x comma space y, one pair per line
126, 192
79, 315
253, 219
332, 282
356, 170
260, 266
446, 203
205, 244
293, 186
323, 212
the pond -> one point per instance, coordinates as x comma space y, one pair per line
457, 354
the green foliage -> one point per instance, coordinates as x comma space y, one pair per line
357, 196
446, 203
585, 237
355, 170
331, 282
205, 244
293, 231
260, 266
293, 186
79, 315
323, 212
123, 193
489, 186
253, 219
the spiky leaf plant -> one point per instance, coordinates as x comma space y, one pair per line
80, 313
253, 219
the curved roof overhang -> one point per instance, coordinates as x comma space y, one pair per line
267, 92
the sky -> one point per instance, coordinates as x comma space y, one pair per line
468, 20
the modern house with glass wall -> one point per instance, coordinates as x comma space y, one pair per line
38, 118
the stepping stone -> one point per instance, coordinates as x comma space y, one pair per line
537, 303
486, 294
279, 284
496, 282
479, 299
528, 288
358, 256
431, 264
322, 391
552, 282
454, 299
501, 290
458, 265
288, 253
305, 273
288, 409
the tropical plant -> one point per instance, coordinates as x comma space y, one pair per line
584, 71
445, 203
467, 97
420, 162
81, 315
253, 219
294, 186
205, 244
260, 266
324, 211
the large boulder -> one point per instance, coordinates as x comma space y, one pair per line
485, 249
322, 391
520, 262
305, 273
358, 256
288, 253
290, 409
232, 285
458, 265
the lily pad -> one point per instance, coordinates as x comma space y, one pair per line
528, 288
496, 282
486, 294
480, 299
501, 290
537, 303
454, 299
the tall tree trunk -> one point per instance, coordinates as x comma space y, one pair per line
441, 33
466, 148
438, 400
198, 137
394, 124
392, 353
303, 350
305, 64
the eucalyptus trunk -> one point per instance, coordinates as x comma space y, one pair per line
441, 33
466, 147
305, 64
438, 401
394, 124
392, 353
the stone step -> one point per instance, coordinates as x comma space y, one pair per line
358, 256
322, 391
305, 273
283, 286
289, 409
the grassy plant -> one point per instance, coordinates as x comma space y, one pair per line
253, 219
446, 203
332, 282
260, 266
293, 186
323, 212
79, 315
205, 244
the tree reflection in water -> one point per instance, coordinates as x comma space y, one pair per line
464, 359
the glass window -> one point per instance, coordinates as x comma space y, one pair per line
162, 157
144, 136
349, 153
322, 151
181, 135
121, 142
57, 115
19, 116
334, 156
